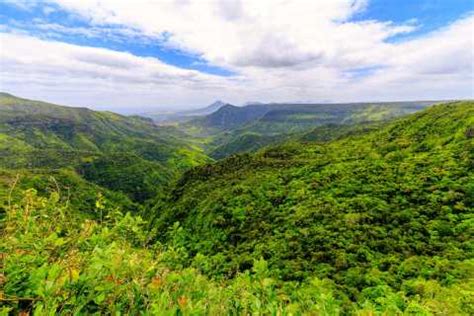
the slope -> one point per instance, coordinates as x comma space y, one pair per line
374, 213
130, 155
230, 116
285, 117
237, 129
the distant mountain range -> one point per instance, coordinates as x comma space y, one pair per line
225, 116
224, 129
235, 129
228, 116
183, 116
207, 110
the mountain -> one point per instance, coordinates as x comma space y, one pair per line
207, 110
343, 219
300, 116
242, 141
230, 144
234, 129
126, 154
375, 213
231, 116
330, 132
184, 116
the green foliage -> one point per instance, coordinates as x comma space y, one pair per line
249, 128
129, 174
74, 190
354, 220
370, 212
56, 262
335, 131
245, 142
76, 266
128, 155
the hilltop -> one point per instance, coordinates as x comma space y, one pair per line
173, 117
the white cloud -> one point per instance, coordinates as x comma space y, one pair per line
233, 33
59, 68
282, 50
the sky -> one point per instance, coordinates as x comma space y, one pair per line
151, 55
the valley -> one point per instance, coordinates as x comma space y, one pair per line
268, 208
230, 129
237, 157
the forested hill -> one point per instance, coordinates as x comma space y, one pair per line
372, 221
231, 129
375, 213
40, 124
257, 117
126, 154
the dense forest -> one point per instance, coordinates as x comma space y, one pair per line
231, 129
127, 158
365, 212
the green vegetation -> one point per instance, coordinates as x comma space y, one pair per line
129, 157
244, 142
371, 213
106, 214
72, 265
235, 130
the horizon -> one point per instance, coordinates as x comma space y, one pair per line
155, 111
176, 56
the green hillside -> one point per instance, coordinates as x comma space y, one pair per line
302, 116
329, 132
244, 141
229, 117
229, 144
376, 213
341, 219
129, 155
233, 129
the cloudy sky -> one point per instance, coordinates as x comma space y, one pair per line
144, 55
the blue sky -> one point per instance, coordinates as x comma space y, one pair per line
428, 15
18, 17
260, 52
431, 14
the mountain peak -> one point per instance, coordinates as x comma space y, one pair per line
228, 106
216, 105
